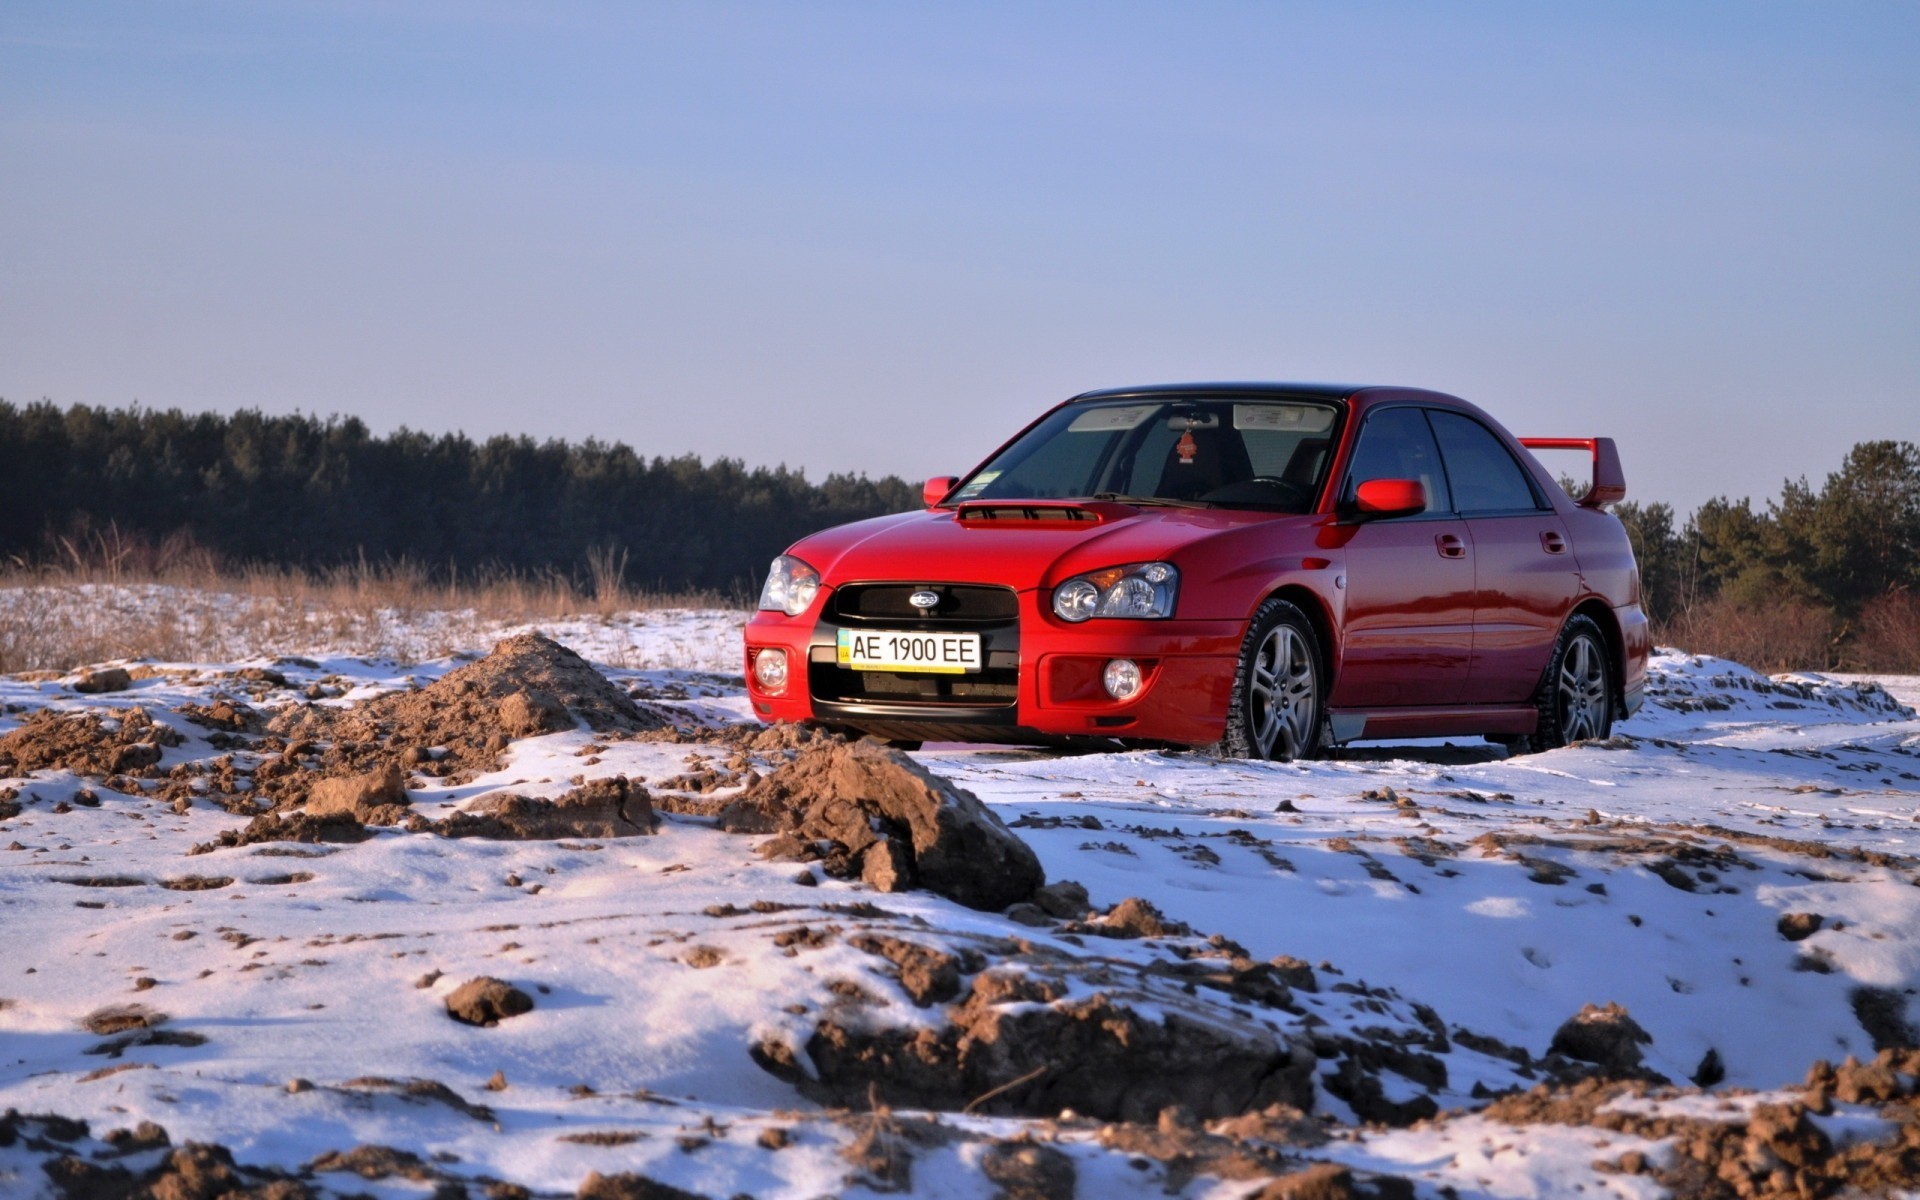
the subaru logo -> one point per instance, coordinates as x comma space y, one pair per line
924, 600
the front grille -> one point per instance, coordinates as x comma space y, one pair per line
992, 612
982, 689
960, 604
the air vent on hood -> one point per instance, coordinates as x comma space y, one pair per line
1040, 512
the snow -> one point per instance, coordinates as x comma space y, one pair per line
1503, 893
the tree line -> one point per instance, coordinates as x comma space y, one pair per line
1821, 577
302, 491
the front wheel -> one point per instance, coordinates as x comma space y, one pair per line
1278, 706
1576, 696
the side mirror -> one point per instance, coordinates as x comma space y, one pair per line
934, 490
1391, 497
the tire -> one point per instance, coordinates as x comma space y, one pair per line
1576, 694
1278, 708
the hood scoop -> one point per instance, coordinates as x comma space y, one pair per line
1046, 514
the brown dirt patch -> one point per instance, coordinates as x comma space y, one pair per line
195, 1171
629, 1187
119, 1018
1015, 1046
121, 742
197, 883
298, 827
602, 808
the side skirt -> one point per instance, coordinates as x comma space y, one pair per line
1353, 724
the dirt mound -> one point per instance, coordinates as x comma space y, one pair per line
529, 685
121, 742
487, 1001
901, 824
1018, 1044
603, 808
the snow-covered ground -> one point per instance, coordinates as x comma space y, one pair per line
303, 994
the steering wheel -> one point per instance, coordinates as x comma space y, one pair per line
1283, 492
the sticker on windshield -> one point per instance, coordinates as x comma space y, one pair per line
1108, 419
976, 485
1293, 418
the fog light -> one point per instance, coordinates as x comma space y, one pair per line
1122, 678
770, 671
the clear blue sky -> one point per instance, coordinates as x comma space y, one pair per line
879, 237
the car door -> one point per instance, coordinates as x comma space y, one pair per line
1526, 577
1408, 624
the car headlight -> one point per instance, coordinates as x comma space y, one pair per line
791, 586
1139, 590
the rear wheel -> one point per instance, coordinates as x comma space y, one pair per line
1576, 696
1278, 706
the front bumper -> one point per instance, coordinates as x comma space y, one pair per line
1042, 680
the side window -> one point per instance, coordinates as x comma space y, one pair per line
1396, 444
1485, 477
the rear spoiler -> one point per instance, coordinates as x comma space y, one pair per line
1609, 481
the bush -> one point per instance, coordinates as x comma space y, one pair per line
1769, 636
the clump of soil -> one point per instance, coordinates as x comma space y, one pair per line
529, 685
420, 1091
1606, 1037
1799, 926
487, 1001
1773, 1151
106, 679
195, 1171
1028, 1171
227, 716
602, 808
901, 824
1017, 1045
1133, 917
928, 974
119, 1018
362, 797
629, 1187
299, 827
121, 742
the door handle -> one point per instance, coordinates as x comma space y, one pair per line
1450, 546
1552, 542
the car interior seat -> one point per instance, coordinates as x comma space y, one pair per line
1219, 458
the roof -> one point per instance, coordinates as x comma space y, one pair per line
1318, 391
1359, 393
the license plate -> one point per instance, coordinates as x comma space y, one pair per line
930, 653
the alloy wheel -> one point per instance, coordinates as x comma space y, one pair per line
1583, 690
1282, 690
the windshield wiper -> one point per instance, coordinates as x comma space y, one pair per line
1148, 501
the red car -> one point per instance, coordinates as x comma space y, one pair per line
1269, 568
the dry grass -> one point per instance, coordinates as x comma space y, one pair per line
96, 607
1886, 638
1784, 635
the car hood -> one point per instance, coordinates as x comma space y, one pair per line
937, 546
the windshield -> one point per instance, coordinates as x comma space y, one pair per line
1214, 453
